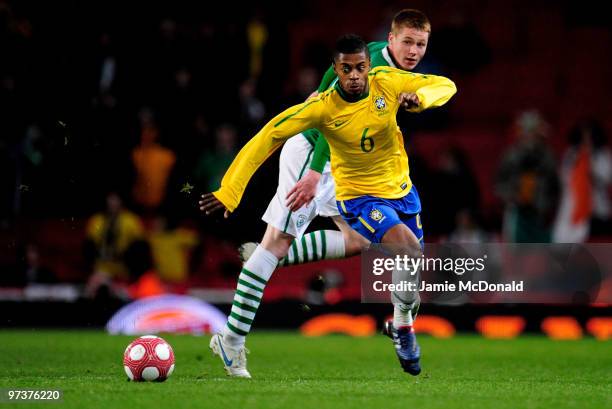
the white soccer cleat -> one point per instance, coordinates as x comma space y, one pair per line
246, 250
234, 359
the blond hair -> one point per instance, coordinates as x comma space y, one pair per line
411, 18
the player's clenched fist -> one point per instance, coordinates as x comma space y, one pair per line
409, 101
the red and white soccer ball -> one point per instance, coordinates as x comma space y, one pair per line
148, 358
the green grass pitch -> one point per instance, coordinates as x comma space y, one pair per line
291, 371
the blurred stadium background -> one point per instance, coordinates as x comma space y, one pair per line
135, 109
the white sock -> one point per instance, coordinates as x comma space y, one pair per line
314, 246
402, 315
251, 284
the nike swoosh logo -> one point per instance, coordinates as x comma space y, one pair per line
338, 123
228, 362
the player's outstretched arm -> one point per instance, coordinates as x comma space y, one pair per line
259, 148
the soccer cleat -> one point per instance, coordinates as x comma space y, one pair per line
234, 359
406, 347
246, 250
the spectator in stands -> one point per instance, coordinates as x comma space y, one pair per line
307, 80
144, 280
153, 165
171, 246
452, 178
586, 175
106, 78
200, 136
212, 165
29, 156
257, 37
31, 269
109, 234
325, 288
34, 269
467, 229
177, 109
601, 173
252, 110
527, 182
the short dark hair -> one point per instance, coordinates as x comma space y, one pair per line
350, 44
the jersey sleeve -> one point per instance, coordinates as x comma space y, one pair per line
320, 155
285, 125
433, 90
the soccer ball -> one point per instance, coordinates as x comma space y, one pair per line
148, 358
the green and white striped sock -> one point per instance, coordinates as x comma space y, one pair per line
251, 284
314, 246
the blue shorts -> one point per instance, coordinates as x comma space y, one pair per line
372, 217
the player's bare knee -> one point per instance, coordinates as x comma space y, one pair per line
404, 240
276, 242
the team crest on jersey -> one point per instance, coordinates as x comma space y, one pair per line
380, 103
301, 220
376, 215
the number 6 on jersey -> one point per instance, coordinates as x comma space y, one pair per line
370, 141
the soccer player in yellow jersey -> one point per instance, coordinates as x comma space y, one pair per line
304, 160
368, 162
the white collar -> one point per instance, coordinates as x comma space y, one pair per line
387, 57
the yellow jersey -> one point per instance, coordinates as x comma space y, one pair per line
366, 145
